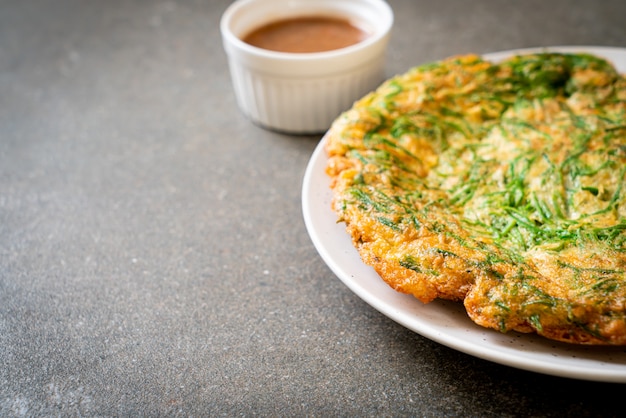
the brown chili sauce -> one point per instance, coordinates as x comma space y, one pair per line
306, 34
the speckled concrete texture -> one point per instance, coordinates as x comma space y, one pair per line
153, 256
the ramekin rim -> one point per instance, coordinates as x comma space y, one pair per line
236, 42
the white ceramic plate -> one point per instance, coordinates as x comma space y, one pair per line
442, 321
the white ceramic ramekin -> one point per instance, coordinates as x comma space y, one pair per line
303, 93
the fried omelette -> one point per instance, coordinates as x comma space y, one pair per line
501, 185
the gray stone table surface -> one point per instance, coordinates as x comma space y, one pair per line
153, 255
